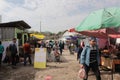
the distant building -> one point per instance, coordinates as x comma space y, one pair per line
15, 29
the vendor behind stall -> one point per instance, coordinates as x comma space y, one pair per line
113, 51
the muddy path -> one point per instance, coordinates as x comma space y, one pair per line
65, 70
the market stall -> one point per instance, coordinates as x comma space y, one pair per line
103, 18
109, 53
110, 63
110, 58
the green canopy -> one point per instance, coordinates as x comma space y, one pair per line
104, 18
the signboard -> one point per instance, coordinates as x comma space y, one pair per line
40, 58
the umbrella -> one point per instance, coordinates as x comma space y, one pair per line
103, 18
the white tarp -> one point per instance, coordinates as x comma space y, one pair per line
6, 44
67, 33
117, 40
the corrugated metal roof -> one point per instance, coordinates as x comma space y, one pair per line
19, 24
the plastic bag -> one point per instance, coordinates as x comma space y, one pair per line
82, 73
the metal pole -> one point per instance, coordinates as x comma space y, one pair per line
112, 70
0, 19
40, 26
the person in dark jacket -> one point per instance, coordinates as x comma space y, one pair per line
61, 46
13, 50
80, 48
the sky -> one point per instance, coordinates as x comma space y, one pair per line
52, 15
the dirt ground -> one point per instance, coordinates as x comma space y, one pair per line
66, 70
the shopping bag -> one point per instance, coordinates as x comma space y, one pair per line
82, 73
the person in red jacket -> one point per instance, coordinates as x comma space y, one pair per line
27, 51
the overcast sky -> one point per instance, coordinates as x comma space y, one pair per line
54, 15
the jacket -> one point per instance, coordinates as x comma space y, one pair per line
85, 55
1, 49
13, 48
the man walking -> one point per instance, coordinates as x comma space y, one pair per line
27, 52
90, 58
13, 50
61, 47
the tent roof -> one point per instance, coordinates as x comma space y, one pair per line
38, 36
102, 33
67, 33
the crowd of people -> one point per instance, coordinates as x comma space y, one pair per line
57, 48
13, 56
88, 55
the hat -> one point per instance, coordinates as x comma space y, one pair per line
92, 39
14, 38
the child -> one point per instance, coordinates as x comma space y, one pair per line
57, 56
